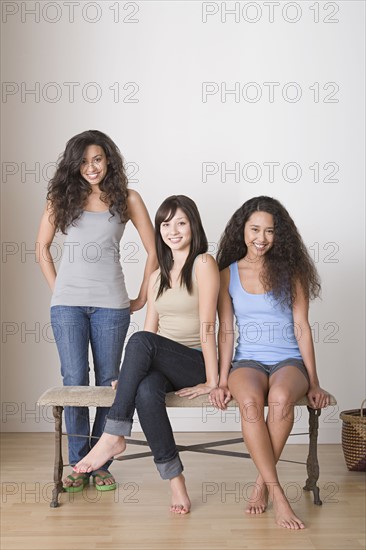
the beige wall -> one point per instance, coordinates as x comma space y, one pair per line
170, 63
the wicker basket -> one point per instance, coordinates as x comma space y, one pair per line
354, 438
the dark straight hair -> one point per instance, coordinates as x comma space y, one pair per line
199, 244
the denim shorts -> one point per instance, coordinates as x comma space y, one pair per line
270, 369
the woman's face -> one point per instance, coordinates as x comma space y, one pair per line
259, 234
176, 233
94, 164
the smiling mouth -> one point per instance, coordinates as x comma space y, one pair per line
260, 246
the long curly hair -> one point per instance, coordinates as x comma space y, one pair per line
285, 264
199, 244
68, 191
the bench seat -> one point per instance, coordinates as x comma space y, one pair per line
101, 396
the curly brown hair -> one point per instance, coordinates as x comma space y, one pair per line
68, 191
286, 263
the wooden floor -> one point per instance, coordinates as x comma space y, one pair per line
136, 516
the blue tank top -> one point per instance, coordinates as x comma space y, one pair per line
266, 328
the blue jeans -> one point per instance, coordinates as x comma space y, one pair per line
152, 366
74, 328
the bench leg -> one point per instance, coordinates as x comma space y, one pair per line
312, 463
58, 468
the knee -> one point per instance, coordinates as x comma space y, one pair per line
280, 396
251, 405
252, 410
136, 343
140, 338
281, 403
248, 397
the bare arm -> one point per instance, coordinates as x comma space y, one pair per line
317, 396
152, 317
208, 288
208, 280
222, 395
139, 216
46, 233
226, 328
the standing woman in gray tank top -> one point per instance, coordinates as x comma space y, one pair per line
89, 202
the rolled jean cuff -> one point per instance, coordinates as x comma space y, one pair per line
118, 427
168, 470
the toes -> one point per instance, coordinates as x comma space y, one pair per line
285, 524
82, 469
297, 524
179, 509
294, 524
255, 509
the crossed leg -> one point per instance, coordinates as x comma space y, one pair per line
265, 439
152, 366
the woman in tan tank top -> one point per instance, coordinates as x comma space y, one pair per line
176, 351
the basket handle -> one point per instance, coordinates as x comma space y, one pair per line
362, 404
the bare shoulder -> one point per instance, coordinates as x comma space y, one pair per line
133, 198
136, 209
207, 273
205, 264
47, 227
48, 211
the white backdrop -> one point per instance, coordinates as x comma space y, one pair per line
221, 101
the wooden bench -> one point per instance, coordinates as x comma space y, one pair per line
98, 396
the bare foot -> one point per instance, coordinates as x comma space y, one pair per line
284, 514
107, 447
180, 503
75, 481
103, 477
258, 500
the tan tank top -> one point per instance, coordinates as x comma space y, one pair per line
179, 315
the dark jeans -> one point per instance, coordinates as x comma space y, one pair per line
152, 366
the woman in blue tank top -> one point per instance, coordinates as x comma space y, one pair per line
89, 202
267, 279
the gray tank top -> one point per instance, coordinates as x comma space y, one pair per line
90, 273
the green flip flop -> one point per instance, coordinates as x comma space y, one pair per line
78, 488
104, 487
